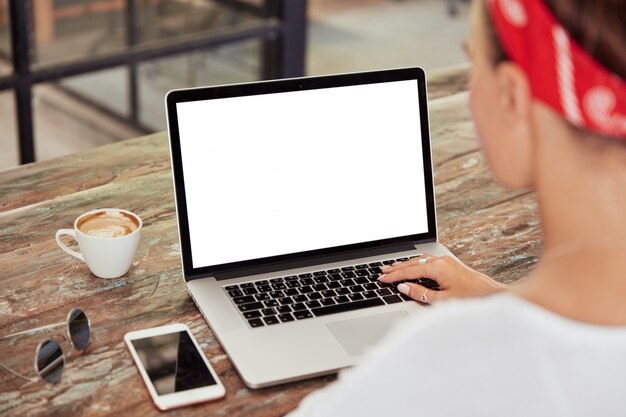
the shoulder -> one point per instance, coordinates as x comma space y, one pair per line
484, 328
445, 349
505, 316
480, 352
458, 319
494, 328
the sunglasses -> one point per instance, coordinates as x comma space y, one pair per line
49, 356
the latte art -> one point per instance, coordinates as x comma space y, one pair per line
108, 224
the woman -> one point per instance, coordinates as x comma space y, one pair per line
553, 72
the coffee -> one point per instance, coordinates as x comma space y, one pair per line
107, 239
108, 224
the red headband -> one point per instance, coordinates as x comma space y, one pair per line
561, 74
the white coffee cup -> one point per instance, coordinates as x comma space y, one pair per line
106, 256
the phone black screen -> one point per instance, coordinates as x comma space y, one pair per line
173, 363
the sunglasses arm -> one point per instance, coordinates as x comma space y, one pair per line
49, 326
12, 372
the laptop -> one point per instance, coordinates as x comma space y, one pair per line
290, 197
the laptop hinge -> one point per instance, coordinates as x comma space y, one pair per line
344, 256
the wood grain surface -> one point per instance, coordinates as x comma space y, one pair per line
491, 229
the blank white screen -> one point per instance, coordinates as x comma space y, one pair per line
282, 173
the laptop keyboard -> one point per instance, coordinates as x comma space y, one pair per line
298, 297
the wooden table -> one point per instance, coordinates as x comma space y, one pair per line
491, 229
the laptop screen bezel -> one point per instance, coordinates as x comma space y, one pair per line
289, 85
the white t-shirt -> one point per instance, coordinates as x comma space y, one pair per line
495, 356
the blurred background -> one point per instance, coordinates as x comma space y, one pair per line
98, 70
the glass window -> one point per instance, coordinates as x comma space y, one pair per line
228, 64
8, 135
66, 122
5, 39
72, 29
108, 88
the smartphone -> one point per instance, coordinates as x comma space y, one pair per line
173, 366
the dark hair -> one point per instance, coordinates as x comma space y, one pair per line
598, 26
497, 52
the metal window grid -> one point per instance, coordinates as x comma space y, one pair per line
282, 29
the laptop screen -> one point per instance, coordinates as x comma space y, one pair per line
275, 174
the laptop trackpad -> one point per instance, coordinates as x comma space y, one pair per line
356, 335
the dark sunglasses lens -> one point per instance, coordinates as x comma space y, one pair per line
50, 361
79, 329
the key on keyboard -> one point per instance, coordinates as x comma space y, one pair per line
336, 290
340, 308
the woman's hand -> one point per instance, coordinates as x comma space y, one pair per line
454, 278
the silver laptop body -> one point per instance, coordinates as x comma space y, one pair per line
290, 195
